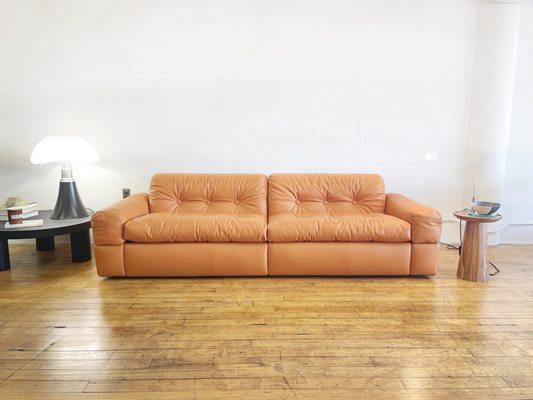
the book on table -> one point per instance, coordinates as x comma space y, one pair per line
32, 223
19, 212
20, 216
19, 209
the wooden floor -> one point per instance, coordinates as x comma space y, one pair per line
65, 333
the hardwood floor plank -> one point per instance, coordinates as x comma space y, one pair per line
41, 386
455, 383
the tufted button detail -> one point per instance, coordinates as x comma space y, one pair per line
354, 202
297, 201
237, 202
325, 202
207, 202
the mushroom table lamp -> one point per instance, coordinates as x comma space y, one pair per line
66, 150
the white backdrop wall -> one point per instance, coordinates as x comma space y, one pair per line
250, 86
518, 190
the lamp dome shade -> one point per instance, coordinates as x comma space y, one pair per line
63, 148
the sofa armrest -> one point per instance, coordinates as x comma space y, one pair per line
108, 224
425, 221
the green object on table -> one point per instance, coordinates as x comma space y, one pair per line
476, 215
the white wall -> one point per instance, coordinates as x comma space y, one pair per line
241, 85
518, 194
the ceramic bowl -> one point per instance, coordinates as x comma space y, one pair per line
485, 207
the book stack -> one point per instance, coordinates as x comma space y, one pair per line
22, 212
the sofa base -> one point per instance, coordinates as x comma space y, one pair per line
109, 260
424, 258
195, 259
250, 259
339, 258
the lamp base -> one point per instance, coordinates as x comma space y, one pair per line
69, 204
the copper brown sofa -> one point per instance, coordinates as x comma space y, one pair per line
248, 224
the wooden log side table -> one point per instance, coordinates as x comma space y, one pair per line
78, 229
473, 264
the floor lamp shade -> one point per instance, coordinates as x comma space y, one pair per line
65, 150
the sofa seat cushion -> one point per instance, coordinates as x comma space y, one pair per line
373, 227
173, 228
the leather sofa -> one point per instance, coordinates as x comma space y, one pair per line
248, 224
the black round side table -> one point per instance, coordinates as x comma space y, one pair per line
78, 229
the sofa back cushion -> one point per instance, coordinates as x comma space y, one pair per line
326, 193
209, 194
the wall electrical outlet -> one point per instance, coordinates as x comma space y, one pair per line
125, 192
